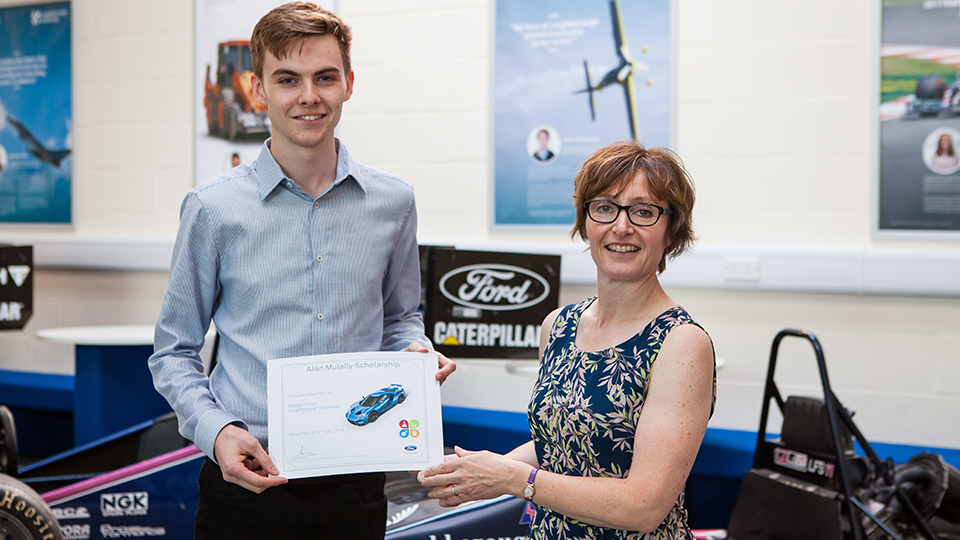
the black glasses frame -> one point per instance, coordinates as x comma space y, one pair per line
661, 211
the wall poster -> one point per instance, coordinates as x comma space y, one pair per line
919, 180
35, 114
230, 126
569, 77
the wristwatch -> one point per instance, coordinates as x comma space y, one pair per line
528, 490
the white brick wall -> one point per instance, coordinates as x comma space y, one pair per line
775, 120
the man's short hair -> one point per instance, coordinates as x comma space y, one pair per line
286, 26
613, 167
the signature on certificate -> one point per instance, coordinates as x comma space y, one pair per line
303, 454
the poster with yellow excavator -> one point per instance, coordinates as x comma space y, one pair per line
230, 125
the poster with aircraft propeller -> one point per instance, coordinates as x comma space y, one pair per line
569, 77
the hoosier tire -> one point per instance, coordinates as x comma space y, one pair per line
23, 514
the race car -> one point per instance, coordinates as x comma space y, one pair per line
370, 407
142, 482
935, 96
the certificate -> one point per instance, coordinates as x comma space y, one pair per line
350, 413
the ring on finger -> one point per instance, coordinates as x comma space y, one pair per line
453, 489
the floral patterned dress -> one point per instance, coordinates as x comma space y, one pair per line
584, 413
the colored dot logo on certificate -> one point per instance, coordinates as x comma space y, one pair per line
404, 433
414, 433
404, 424
414, 423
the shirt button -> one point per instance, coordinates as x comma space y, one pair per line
320, 316
289, 184
316, 205
319, 258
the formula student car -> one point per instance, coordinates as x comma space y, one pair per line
142, 482
370, 407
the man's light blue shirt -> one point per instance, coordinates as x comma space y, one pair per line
282, 274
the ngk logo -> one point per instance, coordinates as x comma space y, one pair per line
124, 504
496, 287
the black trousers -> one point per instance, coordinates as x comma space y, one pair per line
335, 507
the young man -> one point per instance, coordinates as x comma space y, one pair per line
302, 251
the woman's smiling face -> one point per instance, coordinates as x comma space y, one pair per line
621, 250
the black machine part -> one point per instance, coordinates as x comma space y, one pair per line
806, 426
880, 500
932, 485
8, 443
772, 505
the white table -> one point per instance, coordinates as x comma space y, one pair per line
113, 387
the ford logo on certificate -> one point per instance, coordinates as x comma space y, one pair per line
356, 412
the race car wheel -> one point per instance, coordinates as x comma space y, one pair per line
401, 398
372, 417
931, 87
23, 514
8, 443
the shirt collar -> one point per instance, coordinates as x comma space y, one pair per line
270, 175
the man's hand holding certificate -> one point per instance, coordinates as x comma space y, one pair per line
357, 412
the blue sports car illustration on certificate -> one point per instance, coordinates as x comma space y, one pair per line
350, 413
367, 410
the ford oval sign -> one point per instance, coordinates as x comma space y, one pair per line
496, 287
487, 304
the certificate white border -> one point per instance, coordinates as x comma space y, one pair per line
431, 428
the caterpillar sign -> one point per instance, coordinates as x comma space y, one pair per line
16, 286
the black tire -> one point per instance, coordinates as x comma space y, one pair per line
212, 125
9, 456
213, 122
931, 87
373, 416
233, 127
402, 398
23, 514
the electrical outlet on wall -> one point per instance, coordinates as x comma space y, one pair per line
741, 269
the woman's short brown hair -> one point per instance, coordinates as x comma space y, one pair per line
610, 169
287, 25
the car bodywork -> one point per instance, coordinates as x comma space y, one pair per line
372, 406
143, 482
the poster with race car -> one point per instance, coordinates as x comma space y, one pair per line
230, 125
35, 114
919, 181
354, 412
569, 77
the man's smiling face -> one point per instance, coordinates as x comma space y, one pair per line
304, 93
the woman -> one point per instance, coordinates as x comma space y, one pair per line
597, 467
945, 159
